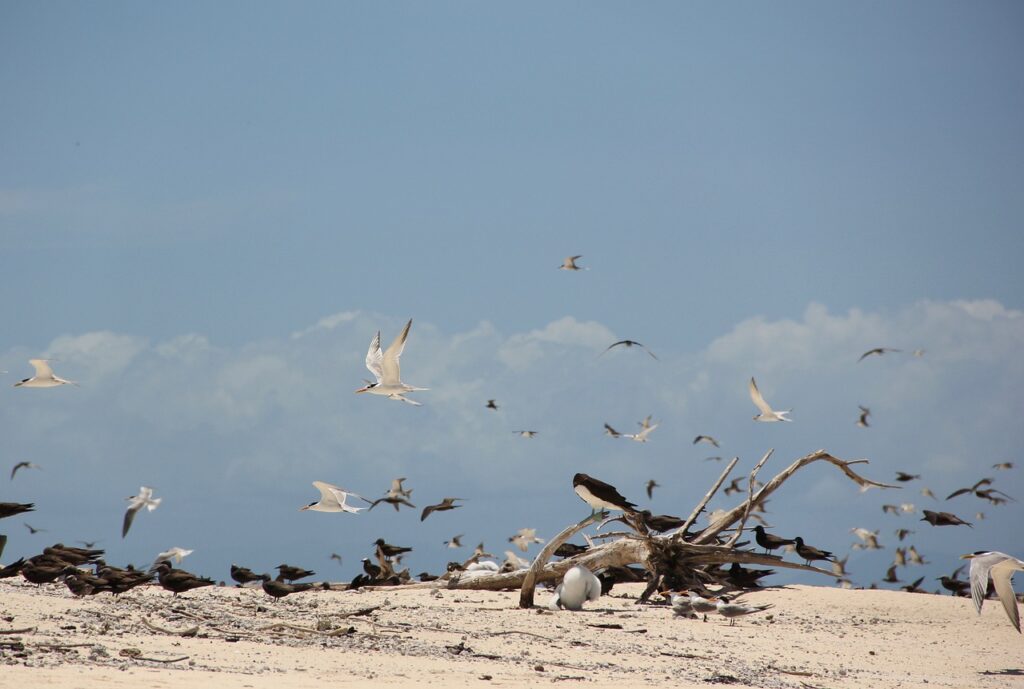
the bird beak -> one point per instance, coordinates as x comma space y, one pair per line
364, 389
968, 556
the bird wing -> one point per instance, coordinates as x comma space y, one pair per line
42, 367
389, 364
959, 492
869, 353
755, 396
426, 511
129, 516
1001, 574
374, 357
979, 579
17, 466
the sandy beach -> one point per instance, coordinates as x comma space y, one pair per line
231, 637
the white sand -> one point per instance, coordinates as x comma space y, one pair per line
814, 637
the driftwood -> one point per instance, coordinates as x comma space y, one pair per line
677, 556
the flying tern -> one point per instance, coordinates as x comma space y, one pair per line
44, 377
333, 499
570, 263
1000, 567
137, 502
767, 413
384, 367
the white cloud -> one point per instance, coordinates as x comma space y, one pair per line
328, 323
523, 350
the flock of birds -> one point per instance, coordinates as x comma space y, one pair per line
578, 586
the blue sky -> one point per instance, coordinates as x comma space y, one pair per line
207, 212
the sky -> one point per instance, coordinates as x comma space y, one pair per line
207, 212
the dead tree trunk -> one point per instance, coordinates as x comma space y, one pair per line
677, 556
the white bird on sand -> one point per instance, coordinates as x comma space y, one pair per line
332, 499
143, 499
733, 610
177, 554
578, 586
767, 413
384, 367
1001, 568
44, 377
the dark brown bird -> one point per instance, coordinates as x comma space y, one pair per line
289, 573
879, 351
914, 587
744, 578
973, 489
810, 553
9, 509
23, 465
244, 575
389, 550
32, 530
660, 522
956, 587
394, 501
443, 506
45, 573
903, 533
279, 589
705, 438
570, 549
651, 485
12, 569
769, 541
903, 476
943, 519
862, 420
890, 576
373, 571
491, 404
631, 343
178, 580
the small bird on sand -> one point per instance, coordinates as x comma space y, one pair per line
943, 519
279, 589
767, 413
289, 573
443, 506
137, 502
44, 377
244, 575
599, 495
178, 580
999, 567
578, 586
731, 610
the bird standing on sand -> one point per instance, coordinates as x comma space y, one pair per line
244, 575
384, 367
279, 589
44, 377
767, 414
137, 502
731, 610
287, 572
578, 586
1000, 567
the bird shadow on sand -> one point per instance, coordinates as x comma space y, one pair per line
1009, 672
